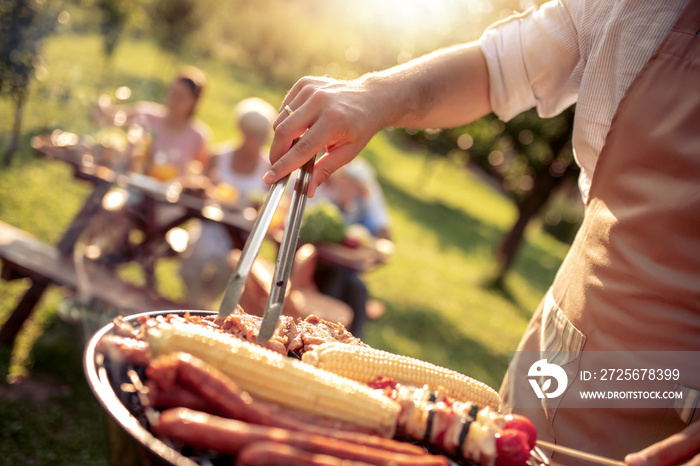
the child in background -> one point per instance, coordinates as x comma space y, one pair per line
355, 190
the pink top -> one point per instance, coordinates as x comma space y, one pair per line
175, 146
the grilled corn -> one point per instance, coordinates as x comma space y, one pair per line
365, 364
271, 376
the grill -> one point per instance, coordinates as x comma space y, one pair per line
116, 385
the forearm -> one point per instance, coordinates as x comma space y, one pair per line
444, 89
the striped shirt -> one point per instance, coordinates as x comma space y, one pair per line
583, 51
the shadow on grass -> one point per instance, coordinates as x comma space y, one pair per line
500, 287
455, 229
536, 265
452, 227
440, 343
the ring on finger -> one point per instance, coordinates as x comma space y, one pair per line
288, 109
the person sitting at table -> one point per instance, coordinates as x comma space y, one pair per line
177, 147
204, 266
177, 138
355, 190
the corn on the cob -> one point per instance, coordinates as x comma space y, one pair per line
365, 364
271, 376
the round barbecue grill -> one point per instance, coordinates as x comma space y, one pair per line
117, 387
113, 384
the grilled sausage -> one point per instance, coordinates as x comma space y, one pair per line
174, 397
217, 390
277, 454
231, 436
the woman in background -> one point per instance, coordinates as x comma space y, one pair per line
177, 138
167, 142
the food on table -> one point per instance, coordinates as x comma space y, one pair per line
226, 193
323, 223
164, 171
210, 387
141, 144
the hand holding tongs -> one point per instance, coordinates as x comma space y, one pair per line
285, 257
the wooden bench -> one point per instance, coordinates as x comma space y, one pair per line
24, 256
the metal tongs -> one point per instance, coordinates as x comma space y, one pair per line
285, 257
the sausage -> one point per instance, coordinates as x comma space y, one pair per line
175, 396
277, 454
231, 436
119, 348
228, 400
377, 441
205, 381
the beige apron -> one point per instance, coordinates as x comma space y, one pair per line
631, 281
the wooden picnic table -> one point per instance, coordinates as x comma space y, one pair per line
161, 207
25, 256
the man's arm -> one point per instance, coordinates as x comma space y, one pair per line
443, 89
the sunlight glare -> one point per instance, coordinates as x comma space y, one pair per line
414, 27
115, 199
409, 14
122, 93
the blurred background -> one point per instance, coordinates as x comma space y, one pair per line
481, 215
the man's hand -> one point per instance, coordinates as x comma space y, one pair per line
441, 90
681, 448
341, 116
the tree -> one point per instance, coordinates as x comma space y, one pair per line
175, 22
115, 14
23, 24
529, 156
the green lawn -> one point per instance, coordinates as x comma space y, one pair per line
446, 222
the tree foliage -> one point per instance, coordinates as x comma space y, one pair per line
529, 157
23, 24
115, 14
20, 34
174, 22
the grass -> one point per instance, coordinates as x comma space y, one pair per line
446, 223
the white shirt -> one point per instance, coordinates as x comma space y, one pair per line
245, 183
584, 51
